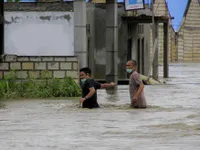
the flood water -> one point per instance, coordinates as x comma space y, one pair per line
171, 121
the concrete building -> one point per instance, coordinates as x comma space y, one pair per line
188, 36
47, 29
39, 37
133, 41
134, 29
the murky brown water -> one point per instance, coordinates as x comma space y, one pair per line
171, 122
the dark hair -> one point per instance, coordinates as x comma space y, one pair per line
134, 62
86, 70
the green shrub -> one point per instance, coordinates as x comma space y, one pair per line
31, 88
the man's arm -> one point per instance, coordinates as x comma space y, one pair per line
141, 87
106, 85
91, 93
102, 86
137, 79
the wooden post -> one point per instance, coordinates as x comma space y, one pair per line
155, 60
155, 46
2, 27
165, 59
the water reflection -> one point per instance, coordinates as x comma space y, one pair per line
2, 105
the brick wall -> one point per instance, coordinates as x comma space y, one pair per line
33, 66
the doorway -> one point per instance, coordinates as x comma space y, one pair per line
129, 49
142, 44
129, 52
138, 55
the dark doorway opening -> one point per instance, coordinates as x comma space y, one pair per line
138, 56
142, 56
129, 51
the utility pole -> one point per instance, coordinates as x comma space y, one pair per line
1, 27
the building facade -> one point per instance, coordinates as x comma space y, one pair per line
188, 36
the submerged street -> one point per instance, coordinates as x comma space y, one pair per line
171, 121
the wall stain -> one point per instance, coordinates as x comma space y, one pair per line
45, 18
67, 17
16, 18
13, 20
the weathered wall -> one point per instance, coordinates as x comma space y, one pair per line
100, 42
30, 31
189, 33
100, 35
34, 66
39, 33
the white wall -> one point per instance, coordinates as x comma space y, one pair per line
39, 33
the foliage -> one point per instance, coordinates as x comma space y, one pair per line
13, 1
31, 88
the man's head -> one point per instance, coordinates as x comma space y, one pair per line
85, 73
131, 66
